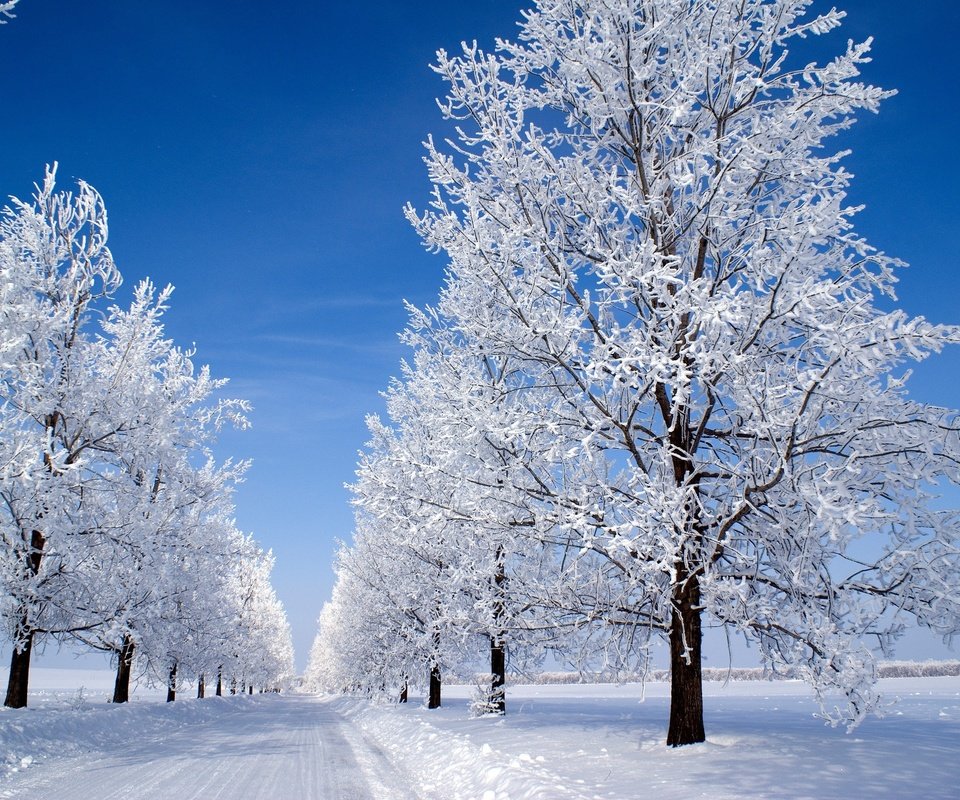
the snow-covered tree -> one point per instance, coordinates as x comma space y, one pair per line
399, 564
641, 210
259, 649
438, 571
55, 263
150, 499
454, 473
116, 521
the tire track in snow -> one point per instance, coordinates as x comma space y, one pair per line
288, 746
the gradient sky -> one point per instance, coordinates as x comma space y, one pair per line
258, 155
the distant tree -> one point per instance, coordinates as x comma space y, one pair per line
260, 645
640, 211
485, 436
358, 646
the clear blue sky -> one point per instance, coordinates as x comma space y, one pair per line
257, 156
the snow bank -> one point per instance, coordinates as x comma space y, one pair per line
606, 741
68, 715
30, 735
449, 765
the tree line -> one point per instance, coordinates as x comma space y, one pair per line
116, 521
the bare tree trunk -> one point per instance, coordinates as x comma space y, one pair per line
403, 692
498, 659
686, 634
18, 680
201, 687
121, 685
219, 681
686, 677
433, 696
172, 683
19, 677
250, 688
498, 676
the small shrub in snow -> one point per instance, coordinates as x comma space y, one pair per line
78, 700
486, 703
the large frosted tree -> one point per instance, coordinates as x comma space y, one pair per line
640, 205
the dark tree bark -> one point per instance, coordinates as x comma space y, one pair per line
172, 683
250, 689
433, 693
121, 686
686, 634
498, 660
403, 692
686, 676
498, 675
19, 674
219, 681
433, 696
18, 680
201, 687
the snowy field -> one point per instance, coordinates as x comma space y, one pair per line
557, 742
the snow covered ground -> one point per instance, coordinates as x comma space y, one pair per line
557, 742
605, 741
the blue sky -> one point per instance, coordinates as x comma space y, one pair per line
258, 155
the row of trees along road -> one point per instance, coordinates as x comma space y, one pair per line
116, 522
662, 386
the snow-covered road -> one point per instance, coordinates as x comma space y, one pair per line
290, 746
